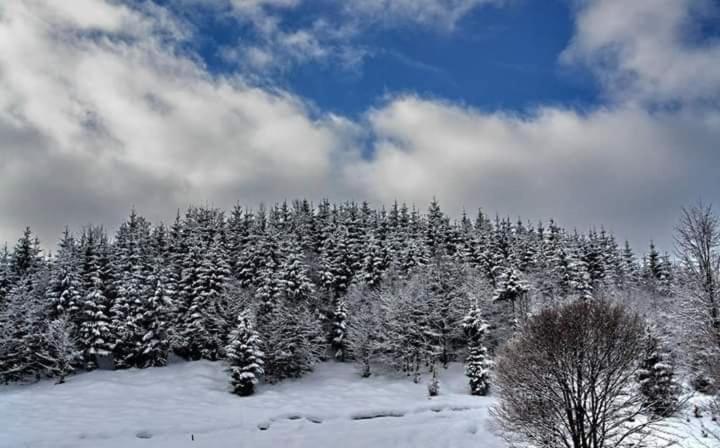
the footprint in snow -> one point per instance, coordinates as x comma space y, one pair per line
144, 435
264, 426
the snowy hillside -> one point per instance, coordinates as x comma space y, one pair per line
188, 405
163, 407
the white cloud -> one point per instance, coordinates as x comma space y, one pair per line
650, 50
94, 122
101, 117
623, 166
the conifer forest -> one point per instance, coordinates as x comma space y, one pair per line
275, 291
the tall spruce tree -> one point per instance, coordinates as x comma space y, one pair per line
155, 322
477, 364
244, 357
339, 331
95, 337
65, 289
656, 377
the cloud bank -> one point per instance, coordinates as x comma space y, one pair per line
101, 109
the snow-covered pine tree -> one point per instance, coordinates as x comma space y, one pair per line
656, 377
594, 261
131, 265
94, 332
666, 281
652, 270
630, 265
292, 341
92, 321
356, 223
5, 275
445, 282
65, 288
155, 323
292, 275
26, 256
238, 230
287, 322
336, 263
582, 281
339, 331
412, 257
15, 330
204, 327
513, 289
376, 261
32, 346
477, 364
260, 250
244, 357
410, 340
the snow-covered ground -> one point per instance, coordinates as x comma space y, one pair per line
188, 405
168, 407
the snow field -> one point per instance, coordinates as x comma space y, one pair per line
188, 405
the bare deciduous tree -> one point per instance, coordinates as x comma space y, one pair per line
566, 379
697, 242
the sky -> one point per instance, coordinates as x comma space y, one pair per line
593, 112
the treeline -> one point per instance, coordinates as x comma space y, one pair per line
276, 289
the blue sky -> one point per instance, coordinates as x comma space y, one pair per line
496, 57
592, 112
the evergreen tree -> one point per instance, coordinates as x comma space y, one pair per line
26, 256
5, 275
513, 289
32, 346
410, 339
244, 357
376, 261
436, 232
445, 281
339, 331
665, 280
477, 364
653, 266
260, 250
205, 280
65, 288
132, 261
372, 284
336, 263
291, 336
293, 276
656, 377
95, 337
18, 333
155, 324
630, 262
594, 260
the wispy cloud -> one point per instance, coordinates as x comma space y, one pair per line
331, 37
